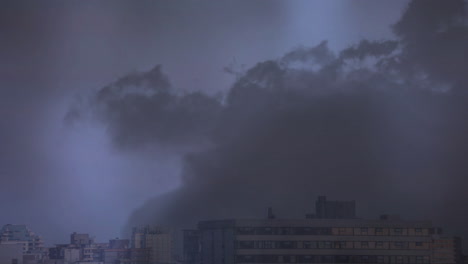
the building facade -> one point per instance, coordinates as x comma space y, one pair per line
446, 250
20, 234
316, 241
158, 241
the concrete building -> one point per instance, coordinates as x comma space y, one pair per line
325, 209
82, 248
315, 241
20, 234
11, 253
159, 241
117, 252
189, 247
81, 240
446, 250
333, 235
72, 255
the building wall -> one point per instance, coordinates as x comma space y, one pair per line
446, 250
20, 233
71, 255
11, 253
160, 248
315, 241
159, 241
80, 239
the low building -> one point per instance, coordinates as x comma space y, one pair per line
11, 254
20, 234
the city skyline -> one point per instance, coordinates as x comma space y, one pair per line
332, 234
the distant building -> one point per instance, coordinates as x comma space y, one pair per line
190, 251
117, 252
72, 255
325, 209
81, 249
11, 254
81, 240
20, 234
159, 242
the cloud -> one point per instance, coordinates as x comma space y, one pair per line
370, 123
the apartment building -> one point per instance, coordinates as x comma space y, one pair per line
315, 241
333, 235
446, 250
20, 234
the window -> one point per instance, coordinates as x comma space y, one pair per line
324, 244
379, 244
327, 259
379, 230
397, 231
399, 259
364, 244
398, 244
419, 244
380, 259
339, 244
287, 244
310, 244
306, 231
246, 244
245, 231
419, 259
418, 230
364, 230
342, 259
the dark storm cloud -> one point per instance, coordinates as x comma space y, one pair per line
350, 125
435, 36
52, 49
141, 108
370, 123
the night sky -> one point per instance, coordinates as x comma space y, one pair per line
122, 113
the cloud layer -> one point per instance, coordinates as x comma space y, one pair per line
382, 122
